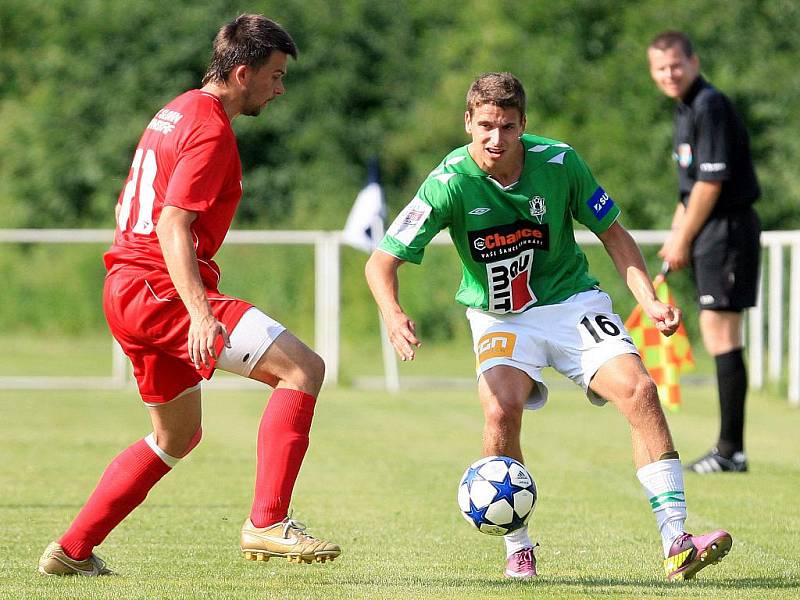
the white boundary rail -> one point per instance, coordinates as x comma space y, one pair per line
327, 245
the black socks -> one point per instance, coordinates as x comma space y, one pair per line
732, 386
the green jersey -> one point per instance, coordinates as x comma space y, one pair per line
516, 243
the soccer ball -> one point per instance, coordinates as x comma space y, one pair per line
497, 495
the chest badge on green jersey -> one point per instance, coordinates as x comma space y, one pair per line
537, 207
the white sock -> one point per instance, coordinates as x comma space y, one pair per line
170, 461
517, 540
663, 483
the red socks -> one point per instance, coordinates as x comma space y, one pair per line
123, 486
282, 444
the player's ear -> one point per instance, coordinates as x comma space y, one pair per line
467, 122
238, 75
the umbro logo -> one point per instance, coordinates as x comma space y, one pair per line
479, 211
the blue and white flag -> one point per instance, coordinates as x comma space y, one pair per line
364, 226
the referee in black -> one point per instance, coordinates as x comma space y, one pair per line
714, 229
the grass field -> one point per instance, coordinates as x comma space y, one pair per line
380, 479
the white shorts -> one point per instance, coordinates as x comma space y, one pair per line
576, 337
251, 337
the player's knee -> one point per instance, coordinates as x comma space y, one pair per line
179, 444
500, 415
315, 369
644, 394
307, 374
194, 441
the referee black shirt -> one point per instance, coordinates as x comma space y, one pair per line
711, 144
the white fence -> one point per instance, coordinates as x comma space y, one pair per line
772, 318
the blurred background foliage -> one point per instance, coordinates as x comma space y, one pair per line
79, 80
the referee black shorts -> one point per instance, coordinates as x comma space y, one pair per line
726, 259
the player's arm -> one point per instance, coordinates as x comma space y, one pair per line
175, 237
381, 273
677, 219
630, 264
688, 221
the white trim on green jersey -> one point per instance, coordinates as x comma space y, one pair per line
516, 243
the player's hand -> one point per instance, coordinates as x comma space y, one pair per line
666, 317
402, 333
203, 333
676, 252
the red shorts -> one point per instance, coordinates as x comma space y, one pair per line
151, 323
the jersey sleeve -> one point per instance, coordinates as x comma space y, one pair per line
201, 169
417, 224
590, 204
712, 145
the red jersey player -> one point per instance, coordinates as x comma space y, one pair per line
163, 306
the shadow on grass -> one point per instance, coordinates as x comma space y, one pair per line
541, 583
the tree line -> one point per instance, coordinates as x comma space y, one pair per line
79, 80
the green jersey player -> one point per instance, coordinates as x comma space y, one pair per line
509, 200
516, 242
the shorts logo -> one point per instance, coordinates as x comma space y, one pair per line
600, 203
505, 241
684, 156
498, 344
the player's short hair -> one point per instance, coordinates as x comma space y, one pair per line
501, 89
670, 39
247, 40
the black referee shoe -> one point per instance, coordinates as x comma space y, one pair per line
714, 462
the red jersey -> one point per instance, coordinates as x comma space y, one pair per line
188, 158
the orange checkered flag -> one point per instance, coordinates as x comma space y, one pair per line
664, 357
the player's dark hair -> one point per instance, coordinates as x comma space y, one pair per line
671, 39
501, 89
247, 40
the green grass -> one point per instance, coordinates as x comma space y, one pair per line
380, 479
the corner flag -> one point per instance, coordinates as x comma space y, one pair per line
364, 230
664, 357
364, 226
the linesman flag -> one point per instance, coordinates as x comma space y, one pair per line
665, 357
364, 226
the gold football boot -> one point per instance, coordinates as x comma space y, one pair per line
55, 561
286, 539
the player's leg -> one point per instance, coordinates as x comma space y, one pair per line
510, 353
722, 337
503, 392
164, 381
264, 350
124, 486
283, 435
624, 381
726, 263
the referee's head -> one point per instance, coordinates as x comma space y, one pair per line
673, 64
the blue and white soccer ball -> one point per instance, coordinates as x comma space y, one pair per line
497, 495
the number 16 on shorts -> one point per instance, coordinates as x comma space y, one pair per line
595, 328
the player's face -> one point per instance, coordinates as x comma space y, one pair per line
495, 135
672, 71
264, 84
